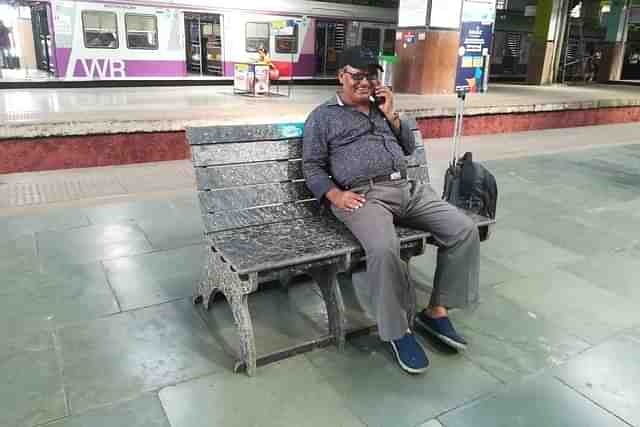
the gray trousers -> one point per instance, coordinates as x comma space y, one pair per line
457, 270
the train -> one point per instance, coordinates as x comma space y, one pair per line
113, 39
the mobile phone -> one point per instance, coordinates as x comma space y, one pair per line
378, 100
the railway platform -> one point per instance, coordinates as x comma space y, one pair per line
98, 266
48, 129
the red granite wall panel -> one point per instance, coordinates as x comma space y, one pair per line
65, 152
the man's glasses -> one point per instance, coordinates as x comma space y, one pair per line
358, 77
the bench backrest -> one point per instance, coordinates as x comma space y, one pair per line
252, 174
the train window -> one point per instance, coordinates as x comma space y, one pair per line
142, 31
100, 29
257, 36
287, 43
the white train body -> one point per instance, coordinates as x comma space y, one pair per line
157, 40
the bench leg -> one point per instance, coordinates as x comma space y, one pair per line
242, 316
411, 302
327, 279
220, 277
208, 285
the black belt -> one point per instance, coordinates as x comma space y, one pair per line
396, 176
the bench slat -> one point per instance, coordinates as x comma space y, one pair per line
240, 133
263, 151
228, 220
255, 195
248, 174
216, 177
248, 152
264, 132
276, 245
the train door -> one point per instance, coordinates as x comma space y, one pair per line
389, 42
203, 43
511, 57
371, 39
330, 42
42, 37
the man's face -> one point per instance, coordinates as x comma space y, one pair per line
357, 84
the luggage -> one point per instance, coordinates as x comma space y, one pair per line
468, 184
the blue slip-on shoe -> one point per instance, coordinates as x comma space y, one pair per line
410, 354
441, 328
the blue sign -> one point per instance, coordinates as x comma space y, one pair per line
475, 43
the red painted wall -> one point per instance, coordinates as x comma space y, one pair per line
66, 152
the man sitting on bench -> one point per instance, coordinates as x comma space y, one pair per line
354, 150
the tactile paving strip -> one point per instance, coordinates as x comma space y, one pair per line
32, 189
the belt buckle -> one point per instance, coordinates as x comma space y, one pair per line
395, 176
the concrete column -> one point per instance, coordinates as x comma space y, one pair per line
428, 65
546, 47
616, 39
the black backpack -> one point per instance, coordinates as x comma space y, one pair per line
470, 186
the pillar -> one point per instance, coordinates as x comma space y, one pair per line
548, 35
426, 65
615, 41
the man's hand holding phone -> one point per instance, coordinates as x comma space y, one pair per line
385, 96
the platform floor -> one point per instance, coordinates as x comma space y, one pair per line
97, 328
47, 112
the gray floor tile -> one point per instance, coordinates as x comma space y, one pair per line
18, 255
144, 411
524, 253
31, 389
431, 423
187, 204
19, 338
51, 220
609, 375
281, 319
585, 310
541, 401
491, 272
91, 244
148, 279
381, 394
287, 393
117, 213
174, 230
119, 357
575, 235
511, 342
70, 294
617, 273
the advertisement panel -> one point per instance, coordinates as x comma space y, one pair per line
476, 33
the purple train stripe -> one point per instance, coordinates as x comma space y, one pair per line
114, 68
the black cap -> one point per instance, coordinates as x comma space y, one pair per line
359, 57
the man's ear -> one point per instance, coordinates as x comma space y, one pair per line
341, 75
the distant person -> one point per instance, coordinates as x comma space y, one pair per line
5, 44
593, 66
264, 58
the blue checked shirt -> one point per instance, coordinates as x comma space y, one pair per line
342, 145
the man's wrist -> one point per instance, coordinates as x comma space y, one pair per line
332, 194
394, 119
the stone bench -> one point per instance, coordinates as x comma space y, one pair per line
262, 223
